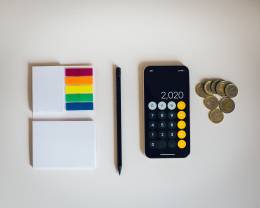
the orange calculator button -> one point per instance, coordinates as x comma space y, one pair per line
181, 115
181, 134
181, 124
181, 105
181, 144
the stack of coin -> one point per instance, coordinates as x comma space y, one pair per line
217, 95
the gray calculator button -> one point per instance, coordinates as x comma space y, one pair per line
171, 105
171, 134
152, 134
171, 115
153, 144
171, 125
162, 125
161, 144
162, 105
152, 125
152, 115
162, 115
171, 143
162, 134
152, 105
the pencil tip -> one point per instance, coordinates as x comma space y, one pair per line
119, 170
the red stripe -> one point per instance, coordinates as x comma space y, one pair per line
78, 71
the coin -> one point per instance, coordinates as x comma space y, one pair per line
231, 90
216, 115
207, 87
200, 90
220, 87
214, 84
227, 105
211, 102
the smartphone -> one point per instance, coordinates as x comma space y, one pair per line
166, 111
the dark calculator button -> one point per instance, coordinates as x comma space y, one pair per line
162, 115
161, 144
162, 125
152, 134
171, 134
152, 125
153, 144
172, 143
171, 125
162, 134
152, 115
171, 115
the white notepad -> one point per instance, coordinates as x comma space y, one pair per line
64, 144
49, 94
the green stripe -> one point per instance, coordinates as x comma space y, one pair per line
79, 98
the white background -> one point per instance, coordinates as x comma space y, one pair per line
214, 39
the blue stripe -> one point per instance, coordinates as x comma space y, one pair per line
79, 106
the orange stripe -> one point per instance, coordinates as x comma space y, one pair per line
84, 80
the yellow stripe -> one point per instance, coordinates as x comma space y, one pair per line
78, 89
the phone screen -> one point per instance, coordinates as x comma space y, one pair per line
166, 104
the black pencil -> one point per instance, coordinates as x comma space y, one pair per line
118, 119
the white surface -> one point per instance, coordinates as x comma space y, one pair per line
213, 38
48, 89
64, 144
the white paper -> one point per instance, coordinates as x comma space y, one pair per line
64, 144
48, 89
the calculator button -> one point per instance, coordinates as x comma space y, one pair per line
152, 105
152, 115
181, 144
171, 105
171, 125
153, 144
181, 115
171, 143
181, 105
181, 124
162, 115
162, 105
152, 125
162, 125
171, 115
162, 144
181, 134
162, 134
152, 134
171, 134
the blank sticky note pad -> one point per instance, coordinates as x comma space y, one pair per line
64, 144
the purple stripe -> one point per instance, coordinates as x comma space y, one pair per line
78, 72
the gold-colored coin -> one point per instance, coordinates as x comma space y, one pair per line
227, 105
220, 87
216, 115
214, 84
211, 102
200, 90
207, 87
231, 90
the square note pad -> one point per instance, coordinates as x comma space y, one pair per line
64, 144
63, 89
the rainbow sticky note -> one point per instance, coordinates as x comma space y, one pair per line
79, 88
